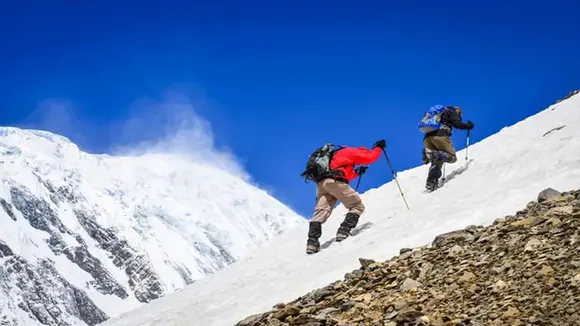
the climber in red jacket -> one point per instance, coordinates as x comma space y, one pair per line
335, 187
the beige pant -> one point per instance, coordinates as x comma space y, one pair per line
328, 192
441, 143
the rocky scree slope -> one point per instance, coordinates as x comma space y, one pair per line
522, 270
86, 237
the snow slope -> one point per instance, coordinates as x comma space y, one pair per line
84, 237
507, 171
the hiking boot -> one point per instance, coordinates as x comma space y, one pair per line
314, 233
434, 172
349, 223
433, 177
432, 185
342, 234
312, 247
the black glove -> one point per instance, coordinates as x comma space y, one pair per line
469, 125
361, 170
380, 144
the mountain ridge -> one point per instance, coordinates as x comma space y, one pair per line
116, 232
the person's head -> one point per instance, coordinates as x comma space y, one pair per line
457, 109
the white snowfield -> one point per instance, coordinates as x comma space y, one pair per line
507, 171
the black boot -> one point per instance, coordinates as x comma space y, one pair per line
314, 233
349, 223
433, 177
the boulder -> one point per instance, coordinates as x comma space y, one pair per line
548, 194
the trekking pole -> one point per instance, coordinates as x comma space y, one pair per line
358, 182
356, 189
467, 147
443, 180
395, 177
360, 171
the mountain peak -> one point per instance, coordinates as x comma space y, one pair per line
17, 134
33, 143
116, 231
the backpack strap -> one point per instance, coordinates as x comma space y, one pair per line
336, 174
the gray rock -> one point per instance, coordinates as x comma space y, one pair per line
400, 304
253, 319
144, 282
365, 262
409, 284
357, 273
453, 237
5, 250
305, 320
42, 217
325, 313
7, 208
346, 306
47, 297
548, 194
404, 250
323, 293
408, 316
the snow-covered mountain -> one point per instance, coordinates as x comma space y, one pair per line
86, 237
504, 172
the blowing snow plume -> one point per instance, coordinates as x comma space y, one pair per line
59, 116
172, 126
168, 126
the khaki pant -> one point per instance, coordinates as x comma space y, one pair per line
441, 143
328, 192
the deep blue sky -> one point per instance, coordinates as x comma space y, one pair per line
277, 79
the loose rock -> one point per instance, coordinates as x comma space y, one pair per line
365, 262
521, 270
548, 194
409, 284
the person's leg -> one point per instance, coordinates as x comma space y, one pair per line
445, 150
351, 201
431, 153
322, 209
427, 150
434, 175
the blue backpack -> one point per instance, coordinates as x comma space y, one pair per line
431, 120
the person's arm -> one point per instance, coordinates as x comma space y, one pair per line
456, 122
365, 156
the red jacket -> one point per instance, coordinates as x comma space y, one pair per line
346, 158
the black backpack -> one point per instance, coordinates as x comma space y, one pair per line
318, 165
